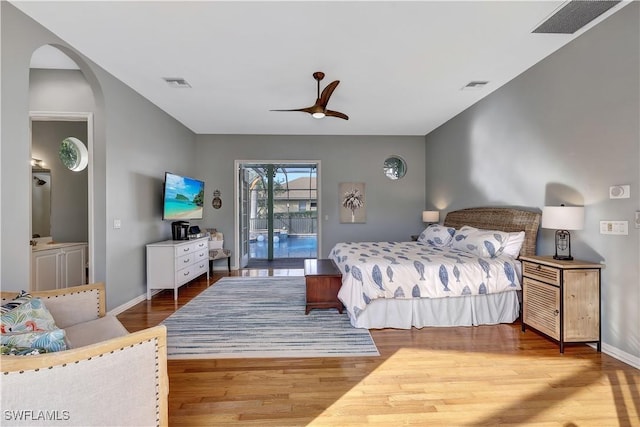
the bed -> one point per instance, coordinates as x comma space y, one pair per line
464, 272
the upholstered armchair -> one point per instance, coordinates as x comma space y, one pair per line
108, 378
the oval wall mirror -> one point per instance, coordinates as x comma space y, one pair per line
73, 154
394, 167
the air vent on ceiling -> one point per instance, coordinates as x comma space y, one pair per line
574, 15
474, 85
176, 82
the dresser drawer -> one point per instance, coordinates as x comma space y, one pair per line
541, 272
184, 249
201, 255
200, 267
186, 274
199, 245
184, 261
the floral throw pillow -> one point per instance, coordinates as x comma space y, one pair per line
32, 316
436, 235
483, 243
22, 297
38, 342
29, 328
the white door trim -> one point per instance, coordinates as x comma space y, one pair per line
62, 116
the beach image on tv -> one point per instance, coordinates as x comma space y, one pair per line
183, 197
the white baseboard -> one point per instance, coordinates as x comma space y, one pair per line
622, 356
127, 305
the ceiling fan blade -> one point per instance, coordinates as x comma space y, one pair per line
309, 110
327, 92
319, 109
338, 114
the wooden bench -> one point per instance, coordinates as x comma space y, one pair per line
323, 280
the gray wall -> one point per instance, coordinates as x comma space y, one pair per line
134, 143
562, 132
69, 189
393, 207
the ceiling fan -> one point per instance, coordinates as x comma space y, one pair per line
319, 109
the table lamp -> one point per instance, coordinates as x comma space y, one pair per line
430, 216
563, 218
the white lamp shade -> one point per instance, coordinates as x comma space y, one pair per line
430, 216
563, 217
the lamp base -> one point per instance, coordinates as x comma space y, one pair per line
563, 245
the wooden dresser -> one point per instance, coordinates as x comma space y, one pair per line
561, 299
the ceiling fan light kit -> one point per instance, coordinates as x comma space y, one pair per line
319, 109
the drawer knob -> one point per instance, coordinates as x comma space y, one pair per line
539, 267
556, 312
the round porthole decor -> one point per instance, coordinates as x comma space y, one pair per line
395, 167
217, 201
73, 154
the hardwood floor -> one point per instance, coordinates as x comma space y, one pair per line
468, 376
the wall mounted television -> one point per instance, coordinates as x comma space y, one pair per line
183, 198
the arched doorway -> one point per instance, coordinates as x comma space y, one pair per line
61, 105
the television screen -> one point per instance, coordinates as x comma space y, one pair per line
183, 198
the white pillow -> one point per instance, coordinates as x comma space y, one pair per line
483, 243
514, 244
436, 235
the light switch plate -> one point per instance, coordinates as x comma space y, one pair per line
614, 227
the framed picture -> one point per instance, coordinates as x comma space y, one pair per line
352, 203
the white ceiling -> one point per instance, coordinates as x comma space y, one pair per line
401, 64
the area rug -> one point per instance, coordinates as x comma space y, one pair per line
257, 317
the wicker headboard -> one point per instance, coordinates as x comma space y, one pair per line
503, 219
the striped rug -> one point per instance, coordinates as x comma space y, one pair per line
253, 317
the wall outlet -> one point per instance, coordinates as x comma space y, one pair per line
117, 224
614, 227
619, 191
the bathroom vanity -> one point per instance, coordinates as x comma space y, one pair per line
58, 265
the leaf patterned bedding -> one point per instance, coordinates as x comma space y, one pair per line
372, 270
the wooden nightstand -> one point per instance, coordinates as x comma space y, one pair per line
323, 281
561, 299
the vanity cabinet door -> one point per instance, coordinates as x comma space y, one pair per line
74, 266
45, 273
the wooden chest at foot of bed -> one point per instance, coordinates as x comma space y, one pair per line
323, 281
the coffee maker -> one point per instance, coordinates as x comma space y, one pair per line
180, 230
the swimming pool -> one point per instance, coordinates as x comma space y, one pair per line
291, 247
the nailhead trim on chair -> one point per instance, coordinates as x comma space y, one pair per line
93, 291
157, 376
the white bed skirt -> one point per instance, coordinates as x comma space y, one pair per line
472, 310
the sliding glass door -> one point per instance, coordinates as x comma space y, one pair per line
278, 210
